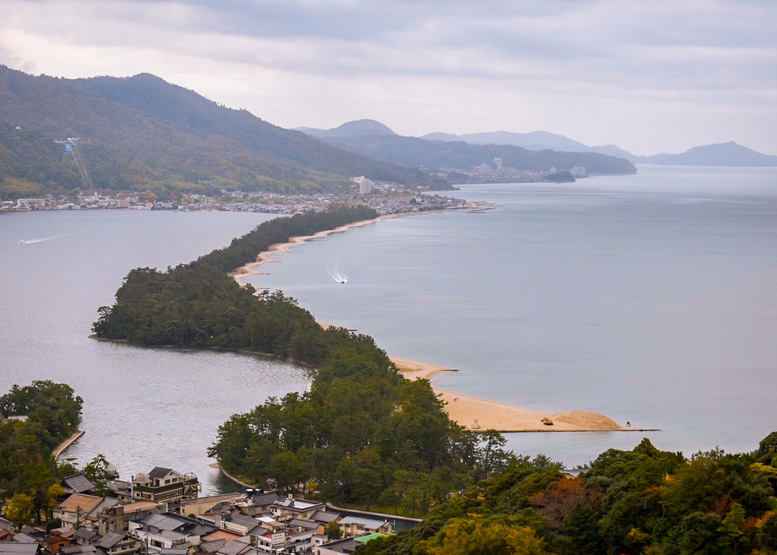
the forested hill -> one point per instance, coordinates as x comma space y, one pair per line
460, 156
146, 134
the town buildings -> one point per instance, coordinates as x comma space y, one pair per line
160, 513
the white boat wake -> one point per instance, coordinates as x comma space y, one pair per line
334, 271
50, 238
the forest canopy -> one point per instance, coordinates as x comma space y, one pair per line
362, 433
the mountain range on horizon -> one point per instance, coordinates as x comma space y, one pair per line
376, 140
143, 134
146, 135
721, 154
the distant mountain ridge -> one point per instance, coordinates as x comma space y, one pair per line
358, 128
376, 140
142, 133
535, 140
723, 154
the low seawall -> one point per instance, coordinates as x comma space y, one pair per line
62, 447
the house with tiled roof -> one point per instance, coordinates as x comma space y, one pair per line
164, 485
77, 483
117, 518
77, 509
115, 543
357, 525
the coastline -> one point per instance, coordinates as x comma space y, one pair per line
475, 413
471, 412
62, 447
266, 257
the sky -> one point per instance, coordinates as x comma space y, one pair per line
650, 76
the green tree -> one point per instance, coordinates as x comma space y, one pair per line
481, 537
98, 472
333, 531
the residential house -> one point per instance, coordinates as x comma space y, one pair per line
77, 509
16, 548
59, 538
202, 505
290, 508
237, 547
345, 546
6, 524
236, 523
79, 550
165, 484
77, 483
117, 518
167, 531
356, 525
115, 543
86, 536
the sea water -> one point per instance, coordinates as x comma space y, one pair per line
142, 407
650, 298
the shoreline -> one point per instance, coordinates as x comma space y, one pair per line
62, 447
266, 257
475, 413
471, 412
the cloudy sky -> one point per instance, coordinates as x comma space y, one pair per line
648, 75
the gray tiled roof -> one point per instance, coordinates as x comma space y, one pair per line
77, 483
13, 548
110, 539
324, 516
159, 472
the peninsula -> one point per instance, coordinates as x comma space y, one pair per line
471, 412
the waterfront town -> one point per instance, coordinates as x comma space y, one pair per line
385, 198
161, 513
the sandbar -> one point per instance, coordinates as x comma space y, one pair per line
266, 257
481, 414
471, 412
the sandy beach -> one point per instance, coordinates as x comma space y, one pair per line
266, 257
470, 412
481, 414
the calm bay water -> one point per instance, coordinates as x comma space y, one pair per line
142, 407
650, 298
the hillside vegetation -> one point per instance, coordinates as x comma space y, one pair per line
629, 502
361, 434
141, 133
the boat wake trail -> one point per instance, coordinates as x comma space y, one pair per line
335, 273
50, 238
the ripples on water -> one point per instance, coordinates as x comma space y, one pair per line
142, 407
650, 298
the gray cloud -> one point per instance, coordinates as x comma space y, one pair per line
695, 58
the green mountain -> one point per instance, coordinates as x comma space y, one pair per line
446, 156
373, 139
142, 133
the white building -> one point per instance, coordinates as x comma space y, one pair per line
365, 185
